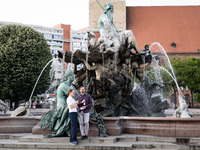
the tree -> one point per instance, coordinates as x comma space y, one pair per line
188, 74
23, 54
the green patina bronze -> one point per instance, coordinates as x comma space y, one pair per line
58, 119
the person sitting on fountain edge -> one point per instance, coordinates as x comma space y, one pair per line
85, 103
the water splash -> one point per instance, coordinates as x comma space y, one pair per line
72, 57
115, 60
56, 74
86, 70
143, 59
157, 74
134, 83
156, 71
169, 64
103, 62
165, 54
37, 82
182, 109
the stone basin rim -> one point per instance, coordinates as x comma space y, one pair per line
114, 118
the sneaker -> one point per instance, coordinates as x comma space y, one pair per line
74, 143
83, 137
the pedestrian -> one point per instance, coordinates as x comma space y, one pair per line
85, 103
34, 106
72, 104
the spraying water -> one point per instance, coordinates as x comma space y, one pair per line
56, 74
72, 56
182, 110
165, 54
156, 69
37, 81
143, 59
172, 78
86, 70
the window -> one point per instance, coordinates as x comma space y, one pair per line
173, 45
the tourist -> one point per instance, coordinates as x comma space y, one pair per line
72, 104
85, 103
34, 106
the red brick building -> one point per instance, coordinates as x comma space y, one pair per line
167, 25
176, 28
66, 35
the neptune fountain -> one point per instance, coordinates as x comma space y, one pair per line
115, 74
111, 69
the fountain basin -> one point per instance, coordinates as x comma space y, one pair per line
155, 126
167, 127
17, 124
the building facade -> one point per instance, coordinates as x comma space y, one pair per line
78, 40
176, 28
54, 36
66, 36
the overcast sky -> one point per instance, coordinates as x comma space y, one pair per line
74, 12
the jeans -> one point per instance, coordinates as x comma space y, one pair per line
84, 122
73, 128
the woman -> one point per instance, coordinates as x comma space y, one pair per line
72, 104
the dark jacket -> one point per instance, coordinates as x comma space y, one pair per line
88, 102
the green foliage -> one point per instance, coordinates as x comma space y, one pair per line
133, 146
188, 73
152, 146
23, 54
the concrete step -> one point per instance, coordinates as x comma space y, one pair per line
13, 136
123, 142
82, 146
93, 146
28, 137
146, 138
41, 139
